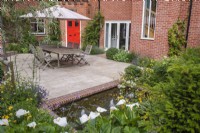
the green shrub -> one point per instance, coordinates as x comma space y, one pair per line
169, 92
1, 72
146, 62
132, 72
96, 50
111, 52
20, 48
123, 56
176, 38
173, 101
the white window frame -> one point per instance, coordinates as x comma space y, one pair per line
127, 22
142, 37
36, 21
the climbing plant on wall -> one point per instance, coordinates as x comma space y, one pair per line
176, 38
92, 30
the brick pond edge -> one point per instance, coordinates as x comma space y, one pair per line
55, 103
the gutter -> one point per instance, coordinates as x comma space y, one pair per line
188, 23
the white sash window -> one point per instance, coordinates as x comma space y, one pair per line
149, 19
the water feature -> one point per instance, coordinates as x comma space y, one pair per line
75, 109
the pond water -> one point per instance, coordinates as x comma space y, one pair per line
73, 110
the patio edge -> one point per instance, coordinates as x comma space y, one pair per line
57, 102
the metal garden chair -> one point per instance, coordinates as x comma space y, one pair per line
43, 59
81, 57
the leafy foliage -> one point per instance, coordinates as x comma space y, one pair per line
54, 30
92, 30
124, 120
123, 56
111, 52
170, 94
96, 50
176, 38
25, 96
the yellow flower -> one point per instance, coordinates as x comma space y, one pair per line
5, 117
10, 107
28, 117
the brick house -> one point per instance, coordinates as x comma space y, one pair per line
146, 24
140, 26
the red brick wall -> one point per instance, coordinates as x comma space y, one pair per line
194, 32
115, 10
167, 15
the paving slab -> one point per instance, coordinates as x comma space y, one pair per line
69, 78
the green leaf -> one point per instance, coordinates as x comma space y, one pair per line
117, 129
131, 130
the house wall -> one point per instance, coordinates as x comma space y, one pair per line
167, 15
194, 32
115, 10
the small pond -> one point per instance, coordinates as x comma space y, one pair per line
73, 110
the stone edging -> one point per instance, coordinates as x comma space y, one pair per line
56, 102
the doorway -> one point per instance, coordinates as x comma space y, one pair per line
117, 34
73, 32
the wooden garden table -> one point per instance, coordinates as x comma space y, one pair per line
62, 51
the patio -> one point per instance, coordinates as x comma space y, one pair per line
70, 78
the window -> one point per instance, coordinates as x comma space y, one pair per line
149, 19
38, 26
69, 23
76, 23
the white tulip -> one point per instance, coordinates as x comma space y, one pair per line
21, 112
100, 110
122, 101
93, 115
61, 121
4, 122
84, 118
32, 124
132, 105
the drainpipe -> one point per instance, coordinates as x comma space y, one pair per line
188, 23
99, 4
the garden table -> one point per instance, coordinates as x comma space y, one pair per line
62, 51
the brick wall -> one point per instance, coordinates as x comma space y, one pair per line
167, 15
115, 10
194, 32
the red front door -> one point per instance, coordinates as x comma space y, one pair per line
73, 31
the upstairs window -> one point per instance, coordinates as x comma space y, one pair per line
38, 26
149, 19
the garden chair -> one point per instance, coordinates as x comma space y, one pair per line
81, 57
69, 45
43, 59
33, 51
76, 46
